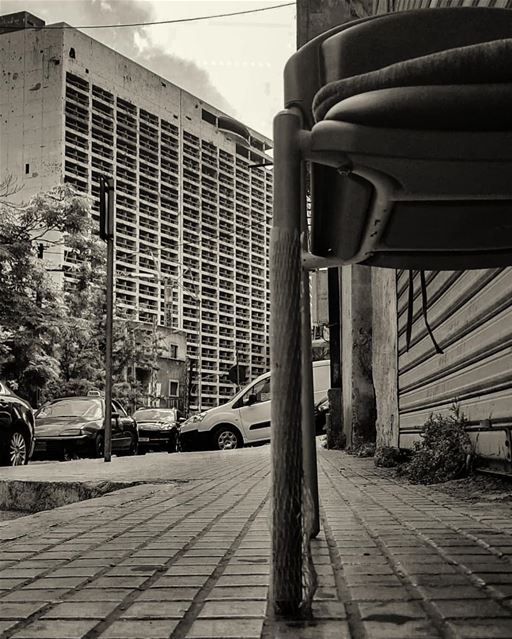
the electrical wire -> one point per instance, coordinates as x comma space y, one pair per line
150, 24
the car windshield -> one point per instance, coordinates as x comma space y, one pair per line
155, 414
88, 409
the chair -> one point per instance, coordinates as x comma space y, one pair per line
403, 120
406, 125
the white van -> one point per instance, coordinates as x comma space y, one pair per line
245, 419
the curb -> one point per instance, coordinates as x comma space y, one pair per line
35, 496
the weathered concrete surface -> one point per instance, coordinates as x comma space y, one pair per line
357, 385
33, 496
385, 356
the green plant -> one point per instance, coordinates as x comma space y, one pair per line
445, 451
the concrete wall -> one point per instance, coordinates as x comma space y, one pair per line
384, 356
31, 103
358, 396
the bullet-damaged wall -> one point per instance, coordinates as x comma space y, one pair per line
31, 101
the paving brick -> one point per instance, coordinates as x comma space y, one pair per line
134, 629
18, 610
229, 609
21, 573
381, 593
461, 608
156, 610
179, 581
238, 592
416, 629
454, 592
82, 610
34, 595
9, 584
490, 629
5, 625
243, 580
117, 582
168, 594
98, 594
311, 630
56, 582
188, 571
406, 611
56, 629
226, 628
328, 610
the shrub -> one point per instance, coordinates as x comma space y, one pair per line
444, 452
391, 457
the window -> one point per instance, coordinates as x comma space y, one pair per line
209, 117
261, 390
174, 388
173, 351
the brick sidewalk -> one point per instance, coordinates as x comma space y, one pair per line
191, 561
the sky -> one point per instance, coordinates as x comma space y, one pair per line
234, 63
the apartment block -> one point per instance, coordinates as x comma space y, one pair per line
192, 189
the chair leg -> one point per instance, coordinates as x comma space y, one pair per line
285, 351
311, 506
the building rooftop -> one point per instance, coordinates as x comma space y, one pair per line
19, 20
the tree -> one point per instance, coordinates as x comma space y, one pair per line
52, 338
32, 310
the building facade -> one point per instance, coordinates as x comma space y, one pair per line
192, 189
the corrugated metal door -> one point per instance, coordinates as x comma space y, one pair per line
470, 313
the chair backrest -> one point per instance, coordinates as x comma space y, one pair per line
373, 43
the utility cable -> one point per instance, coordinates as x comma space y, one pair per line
156, 22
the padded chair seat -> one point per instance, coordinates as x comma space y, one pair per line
478, 64
474, 107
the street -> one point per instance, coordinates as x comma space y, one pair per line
186, 554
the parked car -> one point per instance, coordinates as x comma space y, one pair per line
245, 419
74, 426
16, 428
321, 411
158, 428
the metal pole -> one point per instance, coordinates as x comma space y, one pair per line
200, 358
285, 352
107, 447
335, 421
308, 419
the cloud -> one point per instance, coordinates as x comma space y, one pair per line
134, 42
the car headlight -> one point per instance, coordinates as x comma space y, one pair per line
72, 431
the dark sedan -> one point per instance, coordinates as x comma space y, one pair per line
158, 428
74, 426
16, 428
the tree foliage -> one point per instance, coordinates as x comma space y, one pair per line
52, 337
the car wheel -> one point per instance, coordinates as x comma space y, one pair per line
99, 445
172, 446
16, 453
226, 438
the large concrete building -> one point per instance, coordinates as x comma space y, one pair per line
193, 192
